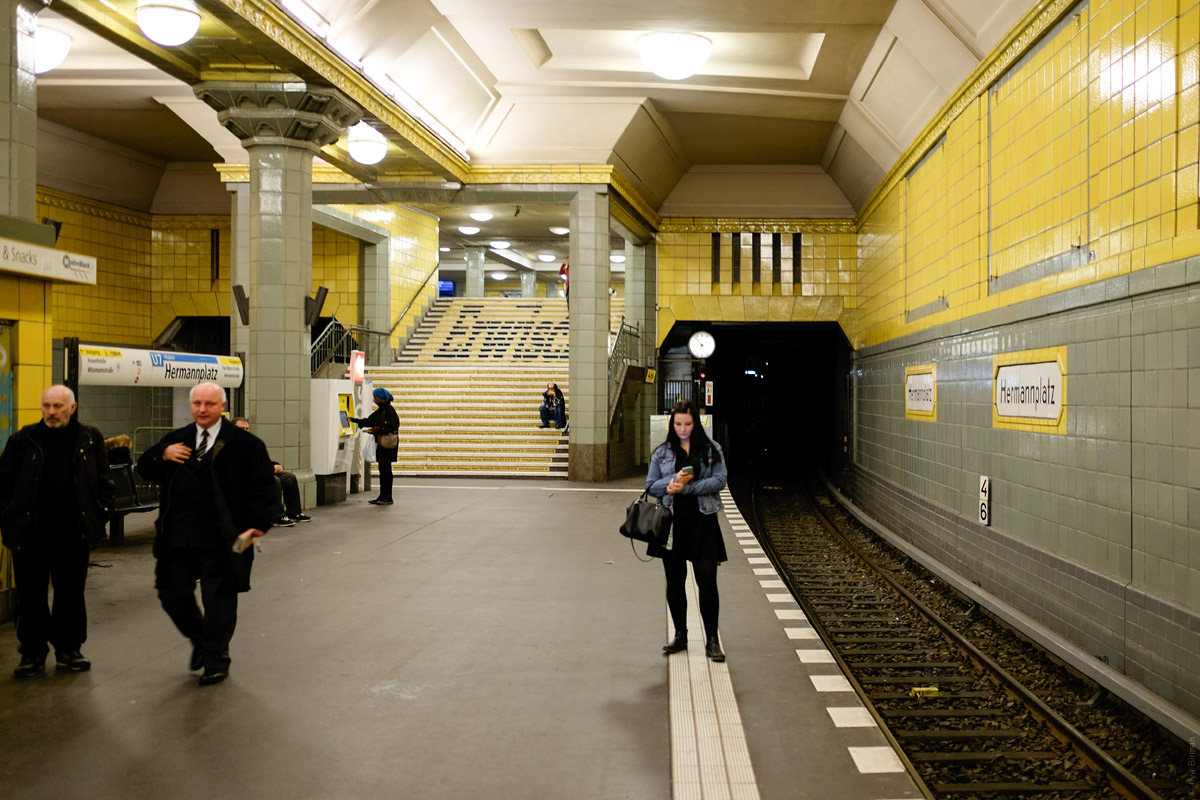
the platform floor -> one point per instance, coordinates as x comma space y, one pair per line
479, 639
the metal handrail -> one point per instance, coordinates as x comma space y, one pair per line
416, 294
349, 331
619, 358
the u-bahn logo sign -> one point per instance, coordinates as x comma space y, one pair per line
1031, 391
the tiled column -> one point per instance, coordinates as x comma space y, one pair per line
376, 291
640, 281
18, 113
528, 283
474, 287
282, 126
588, 407
239, 275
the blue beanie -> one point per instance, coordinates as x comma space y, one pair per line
381, 393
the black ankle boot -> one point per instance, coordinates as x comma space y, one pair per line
677, 645
713, 649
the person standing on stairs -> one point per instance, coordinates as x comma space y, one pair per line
384, 425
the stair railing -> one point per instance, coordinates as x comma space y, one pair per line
622, 353
324, 352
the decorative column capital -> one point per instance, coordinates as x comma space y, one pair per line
291, 113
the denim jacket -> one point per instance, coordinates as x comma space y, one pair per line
708, 484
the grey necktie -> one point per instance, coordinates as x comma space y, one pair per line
202, 450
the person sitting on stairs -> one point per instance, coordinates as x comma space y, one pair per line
553, 406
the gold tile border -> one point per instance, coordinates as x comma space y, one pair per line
750, 225
93, 208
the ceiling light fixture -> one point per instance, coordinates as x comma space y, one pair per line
674, 56
52, 47
481, 216
468, 230
444, 249
500, 244
558, 231
168, 22
546, 258
617, 258
366, 145
499, 276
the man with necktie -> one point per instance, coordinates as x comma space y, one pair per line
217, 495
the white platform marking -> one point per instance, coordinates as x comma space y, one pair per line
801, 633
851, 717
789, 613
874, 760
830, 683
815, 656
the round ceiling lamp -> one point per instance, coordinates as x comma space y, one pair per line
559, 231
617, 258
444, 249
366, 145
499, 276
500, 244
546, 258
468, 230
674, 56
52, 48
168, 22
481, 216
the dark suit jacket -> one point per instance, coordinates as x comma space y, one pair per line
243, 486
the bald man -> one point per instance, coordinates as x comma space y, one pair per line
56, 494
218, 493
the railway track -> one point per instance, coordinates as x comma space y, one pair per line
976, 710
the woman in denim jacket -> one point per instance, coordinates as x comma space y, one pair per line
694, 500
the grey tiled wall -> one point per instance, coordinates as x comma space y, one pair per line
1096, 533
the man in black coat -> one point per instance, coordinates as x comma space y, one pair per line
56, 494
217, 496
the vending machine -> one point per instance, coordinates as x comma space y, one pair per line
332, 438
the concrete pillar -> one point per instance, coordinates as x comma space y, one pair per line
18, 120
589, 335
375, 289
528, 283
641, 280
475, 276
282, 126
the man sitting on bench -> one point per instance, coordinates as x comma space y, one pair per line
289, 489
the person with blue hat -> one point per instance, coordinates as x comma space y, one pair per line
384, 425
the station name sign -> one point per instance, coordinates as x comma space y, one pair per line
122, 366
920, 392
46, 262
1031, 391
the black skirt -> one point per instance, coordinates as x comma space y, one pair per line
697, 537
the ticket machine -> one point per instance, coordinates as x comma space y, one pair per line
332, 438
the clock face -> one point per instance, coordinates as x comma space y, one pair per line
702, 344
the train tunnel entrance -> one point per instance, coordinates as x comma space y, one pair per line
779, 391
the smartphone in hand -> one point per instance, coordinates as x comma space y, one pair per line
686, 470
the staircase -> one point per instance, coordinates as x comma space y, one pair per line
468, 384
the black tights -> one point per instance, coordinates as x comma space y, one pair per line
385, 480
705, 573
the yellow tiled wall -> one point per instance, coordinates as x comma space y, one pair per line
116, 308
26, 302
181, 275
1086, 148
335, 265
413, 253
818, 284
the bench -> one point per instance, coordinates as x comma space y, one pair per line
127, 499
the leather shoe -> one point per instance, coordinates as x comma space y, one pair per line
677, 645
197, 660
30, 665
213, 676
713, 649
379, 501
72, 660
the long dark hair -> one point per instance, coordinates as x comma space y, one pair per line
701, 448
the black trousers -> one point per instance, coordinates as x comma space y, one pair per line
43, 563
290, 489
385, 480
705, 572
175, 577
